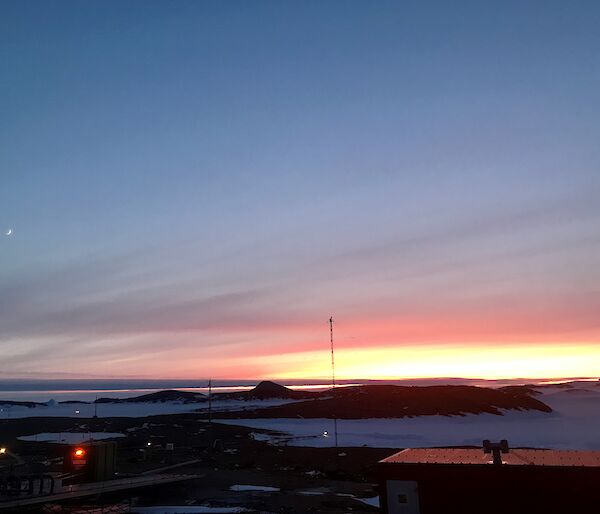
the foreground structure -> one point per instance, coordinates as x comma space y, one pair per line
494, 479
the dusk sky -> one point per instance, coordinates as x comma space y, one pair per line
193, 188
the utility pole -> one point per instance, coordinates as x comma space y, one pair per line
335, 431
332, 357
210, 400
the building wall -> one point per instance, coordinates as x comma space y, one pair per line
487, 489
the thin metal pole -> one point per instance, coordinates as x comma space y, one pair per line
332, 357
335, 431
210, 400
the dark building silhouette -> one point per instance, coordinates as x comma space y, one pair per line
491, 480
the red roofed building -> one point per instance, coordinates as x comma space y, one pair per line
494, 480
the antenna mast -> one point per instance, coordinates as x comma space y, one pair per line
335, 431
210, 400
332, 358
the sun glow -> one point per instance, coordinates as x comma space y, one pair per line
564, 360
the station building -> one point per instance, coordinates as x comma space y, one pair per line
492, 480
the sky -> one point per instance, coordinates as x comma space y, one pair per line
194, 188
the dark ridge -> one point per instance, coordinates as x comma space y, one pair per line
21, 404
531, 390
266, 390
170, 395
390, 401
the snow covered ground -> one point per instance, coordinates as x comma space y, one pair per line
70, 437
373, 501
127, 410
188, 510
573, 425
104, 410
254, 488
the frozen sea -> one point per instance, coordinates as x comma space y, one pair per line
573, 424
90, 389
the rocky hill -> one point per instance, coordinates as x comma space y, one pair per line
266, 390
170, 395
390, 401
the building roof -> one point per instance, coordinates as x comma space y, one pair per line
515, 457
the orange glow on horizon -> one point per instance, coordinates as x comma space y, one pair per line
556, 361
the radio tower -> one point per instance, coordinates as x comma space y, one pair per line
210, 400
332, 358
335, 432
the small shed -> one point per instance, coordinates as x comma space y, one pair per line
494, 479
93, 461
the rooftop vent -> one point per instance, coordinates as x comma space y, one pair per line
496, 449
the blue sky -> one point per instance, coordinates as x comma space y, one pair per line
206, 182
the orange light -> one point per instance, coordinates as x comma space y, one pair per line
79, 452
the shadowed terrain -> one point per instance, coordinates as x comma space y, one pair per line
389, 401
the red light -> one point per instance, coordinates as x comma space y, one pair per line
79, 452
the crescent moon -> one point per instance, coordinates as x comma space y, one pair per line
9, 232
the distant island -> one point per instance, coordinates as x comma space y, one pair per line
363, 401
